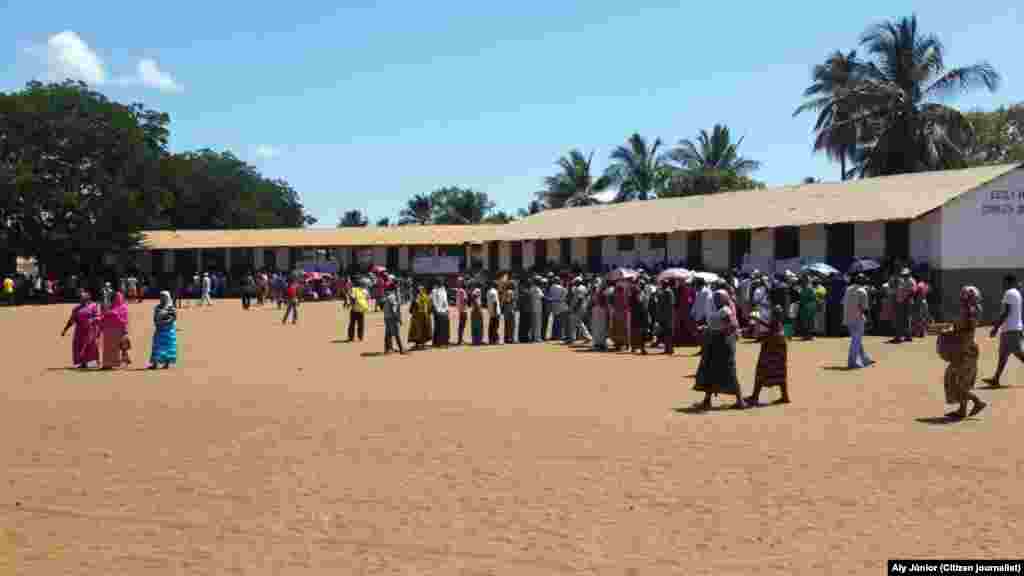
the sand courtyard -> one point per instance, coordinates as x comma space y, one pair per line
277, 449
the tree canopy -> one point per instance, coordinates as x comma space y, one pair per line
81, 176
353, 219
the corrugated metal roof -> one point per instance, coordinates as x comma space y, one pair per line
905, 196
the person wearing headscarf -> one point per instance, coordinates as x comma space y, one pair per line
476, 317
85, 318
958, 382
115, 333
718, 375
772, 360
165, 334
638, 319
599, 314
419, 322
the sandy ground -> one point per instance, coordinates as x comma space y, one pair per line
277, 449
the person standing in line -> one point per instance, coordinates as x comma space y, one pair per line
460, 308
392, 319
808, 308
556, 294
248, 291
856, 307
599, 315
476, 318
357, 313
508, 311
1009, 327
638, 318
419, 319
8, 291
493, 315
537, 308
207, 285
525, 313
580, 310
439, 300
292, 293
904, 304
666, 315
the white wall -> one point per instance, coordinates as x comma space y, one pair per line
813, 242
257, 257
974, 236
926, 239
869, 239
609, 250
716, 249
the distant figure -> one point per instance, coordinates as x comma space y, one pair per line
856, 307
206, 286
1011, 328
392, 319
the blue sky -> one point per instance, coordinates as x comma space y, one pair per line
364, 105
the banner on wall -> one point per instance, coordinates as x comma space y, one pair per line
436, 265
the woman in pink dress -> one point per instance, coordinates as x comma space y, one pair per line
115, 332
85, 318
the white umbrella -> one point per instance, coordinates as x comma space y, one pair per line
621, 274
674, 274
708, 277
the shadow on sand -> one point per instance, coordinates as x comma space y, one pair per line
698, 409
943, 420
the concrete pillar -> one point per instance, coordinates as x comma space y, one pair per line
404, 262
380, 256
227, 260
579, 252
610, 251
677, 246
869, 240
199, 260
529, 253
283, 264
257, 258
168, 263
554, 252
716, 249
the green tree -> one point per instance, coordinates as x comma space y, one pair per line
999, 136
534, 207
902, 126
832, 83
78, 173
637, 169
353, 219
454, 205
575, 184
418, 210
501, 217
710, 164
384, 222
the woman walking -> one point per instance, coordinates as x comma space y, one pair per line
115, 334
962, 371
718, 375
772, 361
85, 317
165, 335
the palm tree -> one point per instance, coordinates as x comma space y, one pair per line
418, 210
352, 219
454, 205
575, 184
384, 222
902, 126
712, 163
836, 133
637, 169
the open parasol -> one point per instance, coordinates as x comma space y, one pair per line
622, 274
674, 274
864, 265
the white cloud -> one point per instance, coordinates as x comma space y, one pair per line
68, 56
265, 152
149, 74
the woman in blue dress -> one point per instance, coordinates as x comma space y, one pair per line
165, 338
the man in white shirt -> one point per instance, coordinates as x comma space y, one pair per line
855, 310
1009, 323
206, 286
493, 314
439, 298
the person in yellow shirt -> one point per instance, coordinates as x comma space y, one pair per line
8, 291
357, 314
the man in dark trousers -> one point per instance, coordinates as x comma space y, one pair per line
667, 315
392, 319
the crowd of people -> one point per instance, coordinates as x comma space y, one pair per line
635, 311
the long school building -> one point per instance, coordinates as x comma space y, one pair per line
965, 224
